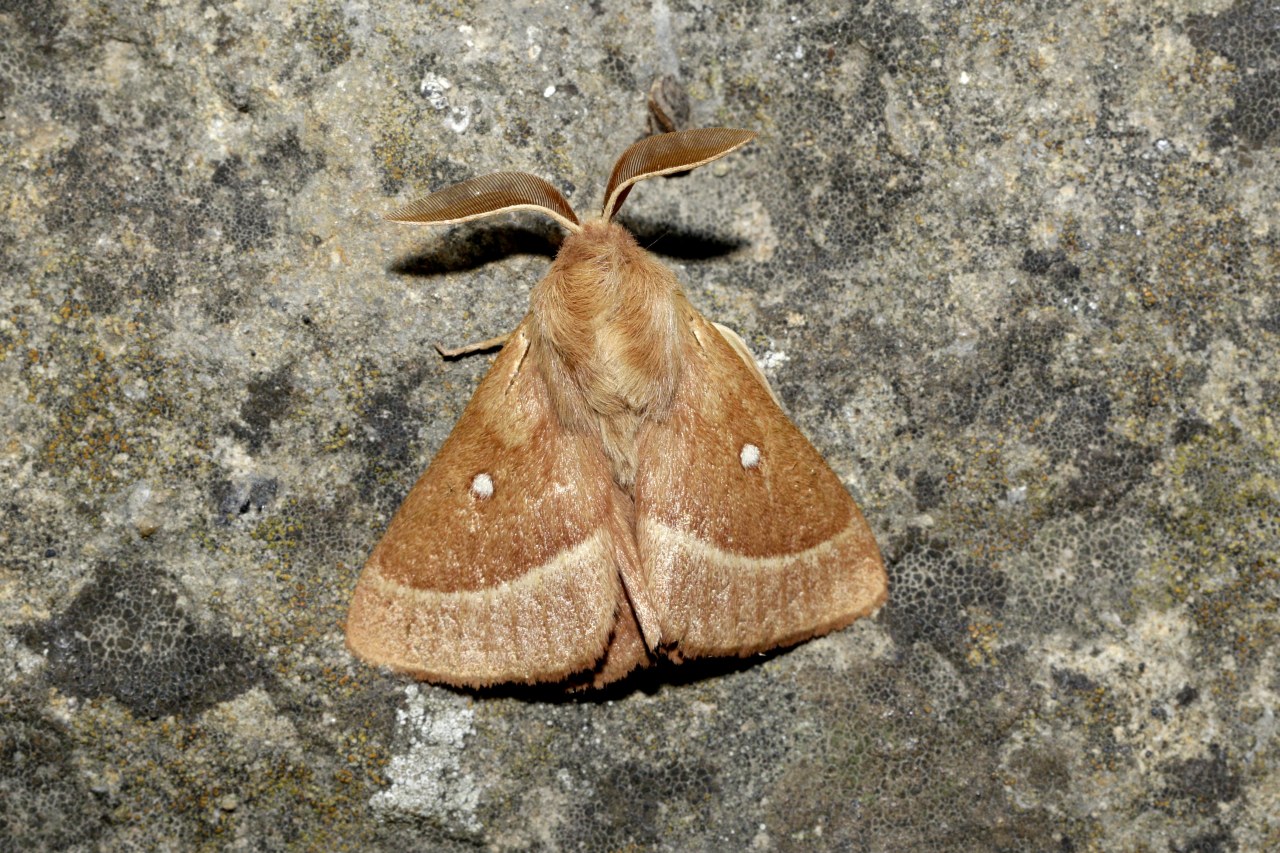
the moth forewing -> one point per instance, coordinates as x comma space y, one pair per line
761, 547
740, 347
501, 564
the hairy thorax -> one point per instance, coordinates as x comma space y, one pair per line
607, 337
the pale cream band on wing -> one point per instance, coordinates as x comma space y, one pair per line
689, 543
713, 601
524, 585
555, 618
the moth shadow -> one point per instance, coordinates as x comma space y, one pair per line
648, 681
681, 244
472, 246
475, 245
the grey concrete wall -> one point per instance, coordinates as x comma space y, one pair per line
1011, 266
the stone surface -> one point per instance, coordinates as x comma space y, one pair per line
1012, 266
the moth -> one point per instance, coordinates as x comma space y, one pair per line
623, 485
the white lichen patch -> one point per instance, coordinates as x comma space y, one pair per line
427, 779
772, 360
435, 89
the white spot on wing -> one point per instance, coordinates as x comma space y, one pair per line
750, 456
482, 486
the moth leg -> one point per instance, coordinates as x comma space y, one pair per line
478, 346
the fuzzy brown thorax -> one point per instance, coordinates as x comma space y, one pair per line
605, 332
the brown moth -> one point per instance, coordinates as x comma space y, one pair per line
622, 487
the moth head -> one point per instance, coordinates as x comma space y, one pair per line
500, 192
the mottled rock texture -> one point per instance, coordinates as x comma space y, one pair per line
1012, 266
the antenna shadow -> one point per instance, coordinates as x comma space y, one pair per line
472, 246
681, 244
